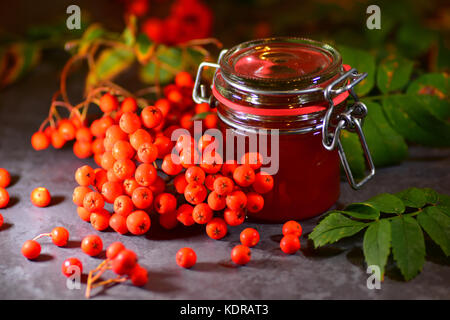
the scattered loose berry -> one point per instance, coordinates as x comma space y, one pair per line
31, 249
71, 266
4, 197
186, 258
60, 236
241, 254
40, 197
5, 178
290, 244
249, 237
292, 227
92, 245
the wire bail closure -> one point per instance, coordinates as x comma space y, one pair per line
351, 120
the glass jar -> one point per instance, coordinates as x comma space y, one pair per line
290, 93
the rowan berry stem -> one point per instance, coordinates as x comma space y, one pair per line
41, 236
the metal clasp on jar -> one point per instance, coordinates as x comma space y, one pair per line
351, 120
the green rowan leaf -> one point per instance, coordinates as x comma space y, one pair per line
413, 197
393, 74
431, 196
333, 228
437, 225
386, 202
361, 211
377, 244
408, 246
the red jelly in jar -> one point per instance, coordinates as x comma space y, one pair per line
288, 94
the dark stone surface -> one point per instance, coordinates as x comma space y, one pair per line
336, 272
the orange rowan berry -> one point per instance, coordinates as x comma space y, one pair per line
85, 176
39, 141
216, 228
40, 197
138, 222
5, 178
151, 117
108, 103
244, 175
195, 193
202, 213
130, 122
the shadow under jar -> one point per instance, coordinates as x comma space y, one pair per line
288, 94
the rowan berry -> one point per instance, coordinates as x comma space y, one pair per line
139, 276
253, 159
145, 174
84, 214
115, 133
195, 193
108, 103
39, 141
168, 220
263, 182
83, 134
5, 178
234, 217
57, 140
97, 146
255, 202
1, 220
185, 142
241, 254
100, 219
129, 185
180, 183
211, 162
237, 200
290, 244
31, 249
164, 145
165, 203
175, 96
202, 213
130, 122
122, 150
202, 108
186, 258
101, 176
195, 175
158, 186
71, 266
216, 201
151, 117
210, 121
140, 137
216, 228
244, 175
124, 169
209, 180
111, 190
4, 197
85, 176
142, 197
147, 152
40, 197
189, 159
92, 245
138, 222
228, 168
82, 149
223, 185
107, 161
124, 262
118, 223
129, 104
249, 237
184, 214
171, 165
207, 141
67, 130
186, 121
123, 205
164, 106
184, 79
292, 227
60, 236
113, 249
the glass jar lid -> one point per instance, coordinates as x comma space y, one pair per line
280, 65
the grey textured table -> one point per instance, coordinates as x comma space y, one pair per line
336, 272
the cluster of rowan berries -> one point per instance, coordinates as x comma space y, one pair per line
5, 180
187, 20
